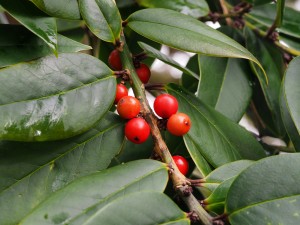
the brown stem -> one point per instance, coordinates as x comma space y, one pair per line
226, 11
180, 182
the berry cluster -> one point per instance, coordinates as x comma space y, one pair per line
137, 130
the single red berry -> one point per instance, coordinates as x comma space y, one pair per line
181, 163
165, 105
143, 73
179, 124
114, 60
128, 107
137, 130
121, 91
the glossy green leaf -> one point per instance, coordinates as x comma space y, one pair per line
30, 172
61, 9
185, 33
194, 8
84, 197
19, 45
271, 59
102, 18
65, 25
290, 101
34, 20
159, 209
218, 139
57, 97
267, 192
266, 14
154, 53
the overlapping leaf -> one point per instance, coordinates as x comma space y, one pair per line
216, 138
271, 190
57, 98
87, 197
37, 22
61, 9
102, 18
13, 49
30, 172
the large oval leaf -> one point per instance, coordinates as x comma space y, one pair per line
91, 193
185, 33
103, 18
194, 8
13, 49
271, 190
57, 8
30, 172
159, 209
56, 98
28, 15
218, 139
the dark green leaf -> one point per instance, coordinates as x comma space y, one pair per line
217, 138
60, 9
266, 14
65, 25
30, 172
18, 44
259, 2
154, 53
279, 14
83, 198
102, 18
185, 33
56, 98
290, 101
187, 81
271, 59
194, 8
34, 20
267, 192
158, 210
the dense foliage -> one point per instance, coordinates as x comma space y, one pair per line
67, 157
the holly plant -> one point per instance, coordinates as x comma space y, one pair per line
92, 131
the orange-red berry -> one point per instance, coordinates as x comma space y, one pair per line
121, 91
128, 107
165, 105
179, 124
137, 130
114, 60
143, 73
181, 163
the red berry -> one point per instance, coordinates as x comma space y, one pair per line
121, 91
128, 107
143, 73
179, 124
181, 163
114, 60
165, 105
137, 130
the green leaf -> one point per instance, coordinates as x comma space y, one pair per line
290, 101
187, 81
95, 192
34, 20
259, 2
185, 33
20, 45
57, 97
154, 53
60, 9
30, 172
217, 138
279, 14
266, 14
271, 59
194, 8
159, 209
102, 18
271, 190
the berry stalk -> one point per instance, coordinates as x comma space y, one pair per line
180, 182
